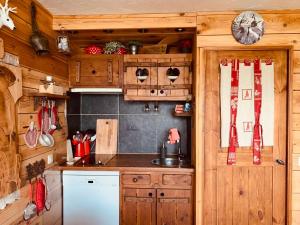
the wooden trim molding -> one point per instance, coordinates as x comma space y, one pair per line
132, 21
1, 48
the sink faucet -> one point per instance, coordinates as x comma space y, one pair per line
177, 142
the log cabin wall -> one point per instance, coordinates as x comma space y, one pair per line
35, 68
282, 29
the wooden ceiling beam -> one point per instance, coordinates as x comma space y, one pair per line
132, 21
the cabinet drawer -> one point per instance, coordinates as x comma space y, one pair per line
170, 193
136, 179
177, 179
141, 193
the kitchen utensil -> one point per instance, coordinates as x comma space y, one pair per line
45, 139
31, 136
107, 135
47, 200
52, 119
30, 210
40, 195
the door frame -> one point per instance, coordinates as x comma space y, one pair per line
199, 117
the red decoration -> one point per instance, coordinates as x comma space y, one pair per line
233, 138
93, 50
187, 43
121, 51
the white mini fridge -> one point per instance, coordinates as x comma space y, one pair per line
91, 197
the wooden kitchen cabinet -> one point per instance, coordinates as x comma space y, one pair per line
157, 86
157, 198
174, 207
139, 206
96, 71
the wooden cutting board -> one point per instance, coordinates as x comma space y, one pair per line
107, 136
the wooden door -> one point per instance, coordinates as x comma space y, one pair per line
139, 206
174, 207
244, 194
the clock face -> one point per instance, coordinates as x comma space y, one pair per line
248, 27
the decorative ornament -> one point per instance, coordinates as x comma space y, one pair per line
134, 46
248, 27
5, 20
93, 50
112, 47
121, 51
39, 42
63, 42
173, 74
142, 74
186, 46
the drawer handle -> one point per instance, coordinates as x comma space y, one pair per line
152, 91
162, 194
90, 181
162, 91
135, 180
150, 194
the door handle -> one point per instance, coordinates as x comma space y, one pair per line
280, 162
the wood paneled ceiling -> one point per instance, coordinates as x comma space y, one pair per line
84, 7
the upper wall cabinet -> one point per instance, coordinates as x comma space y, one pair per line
157, 77
96, 71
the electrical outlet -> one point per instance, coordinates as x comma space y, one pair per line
132, 127
50, 159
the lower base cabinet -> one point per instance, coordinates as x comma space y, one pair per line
174, 207
141, 205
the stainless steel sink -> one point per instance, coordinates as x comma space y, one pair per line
170, 162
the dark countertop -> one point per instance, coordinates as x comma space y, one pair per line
122, 162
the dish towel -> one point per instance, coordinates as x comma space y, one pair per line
245, 113
173, 137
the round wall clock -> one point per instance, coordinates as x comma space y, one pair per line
248, 27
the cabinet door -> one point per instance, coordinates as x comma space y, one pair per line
180, 86
143, 88
139, 206
96, 71
174, 207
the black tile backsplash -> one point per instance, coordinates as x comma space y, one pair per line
74, 103
89, 121
99, 104
139, 131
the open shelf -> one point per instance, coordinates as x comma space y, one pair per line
183, 114
47, 95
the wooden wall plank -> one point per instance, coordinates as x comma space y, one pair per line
296, 63
296, 217
268, 40
296, 82
296, 102
220, 24
295, 182
296, 161
296, 202
125, 21
28, 58
296, 141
